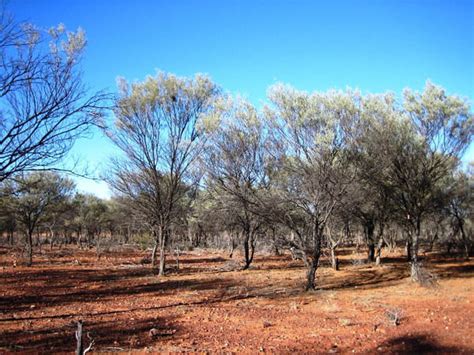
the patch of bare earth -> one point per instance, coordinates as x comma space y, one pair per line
205, 307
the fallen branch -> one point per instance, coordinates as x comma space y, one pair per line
80, 347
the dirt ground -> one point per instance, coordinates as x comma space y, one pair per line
204, 307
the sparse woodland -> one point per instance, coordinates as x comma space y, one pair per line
306, 174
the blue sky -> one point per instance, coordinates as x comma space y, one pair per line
245, 46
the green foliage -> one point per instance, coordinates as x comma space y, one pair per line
38, 193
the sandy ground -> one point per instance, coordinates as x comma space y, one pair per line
203, 307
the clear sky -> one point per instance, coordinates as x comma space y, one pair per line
245, 46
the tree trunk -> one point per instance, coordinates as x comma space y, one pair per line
313, 264
311, 276
79, 239
433, 239
51, 241
126, 235
153, 253
252, 248
311, 273
89, 239
161, 271
414, 250
378, 257
97, 247
371, 253
157, 239
177, 258
247, 250
408, 248
449, 246
276, 251
465, 240
369, 228
163, 243
29, 248
415, 242
233, 244
334, 260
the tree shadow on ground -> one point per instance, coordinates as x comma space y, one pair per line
71, 277
55, 287
454, 271
416, 344
392, 271
367, 277
68, 286
202, 260
53, 295
122, 334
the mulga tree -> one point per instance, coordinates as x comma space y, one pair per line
307, 164
441, 128
92, 217
459, 209
56, 219
369, 197
8, 222
234, 166
34, 194
122, 218
157, 129
203, 219
418, 148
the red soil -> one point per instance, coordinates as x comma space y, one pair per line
201, 307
